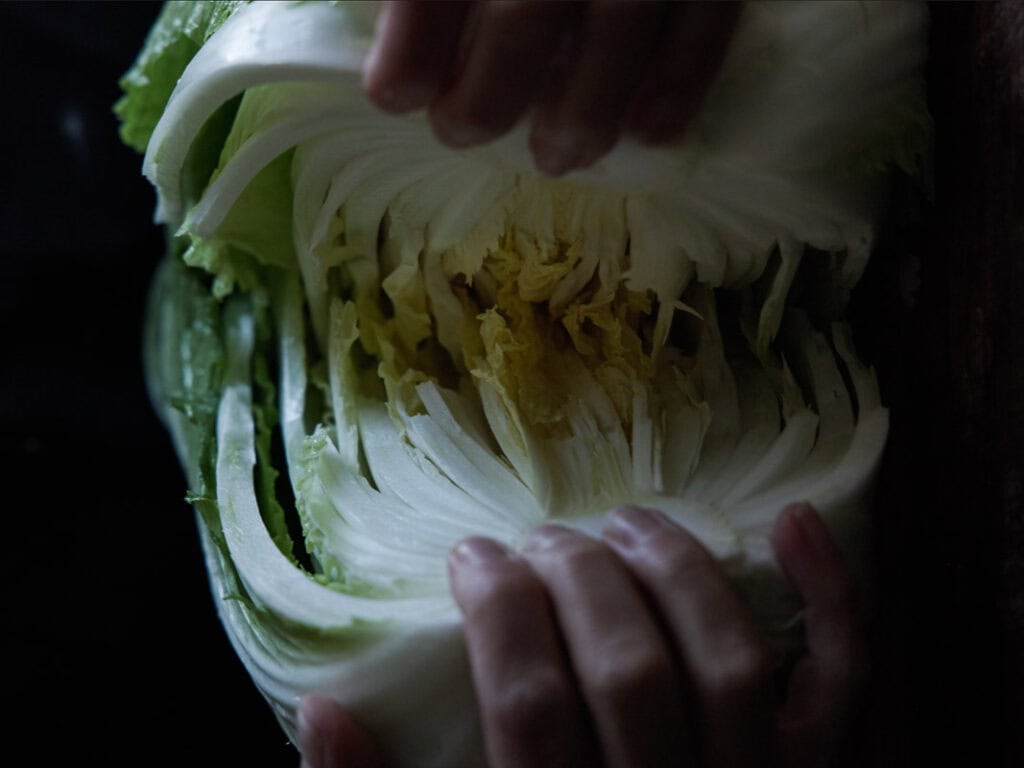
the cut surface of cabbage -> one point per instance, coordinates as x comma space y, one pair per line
444, 343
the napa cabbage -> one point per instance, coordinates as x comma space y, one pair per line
367, 346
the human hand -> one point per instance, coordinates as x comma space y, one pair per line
638, 652
586, 71
329, 738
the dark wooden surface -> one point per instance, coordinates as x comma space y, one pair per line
986, 279
982, 209
111, 646
941, 310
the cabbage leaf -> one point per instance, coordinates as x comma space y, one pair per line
446, 343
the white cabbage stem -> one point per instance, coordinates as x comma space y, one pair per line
465, 347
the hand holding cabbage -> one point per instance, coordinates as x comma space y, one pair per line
580, 73
444, 344
617, 698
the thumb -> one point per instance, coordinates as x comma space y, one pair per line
329, 738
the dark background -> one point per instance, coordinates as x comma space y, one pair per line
111, 645
110, 634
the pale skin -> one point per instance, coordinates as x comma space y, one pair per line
580, 74
640, 653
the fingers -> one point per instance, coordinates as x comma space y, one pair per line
619, 655
611, 603
725, 658
587, 71
674, 85
501, 70
329, 738
825, 682
635, 650
582, 121
529, 707
412, 53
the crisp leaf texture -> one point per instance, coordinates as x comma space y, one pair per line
447, 343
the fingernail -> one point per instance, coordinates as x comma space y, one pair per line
631, 525
458, 134
556, 153
478, 551
397, 99
548, 537
372, 60
555, 163
810, 527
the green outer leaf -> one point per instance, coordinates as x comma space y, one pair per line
177, 35
257, 231
185, 350
265, 416
185, 366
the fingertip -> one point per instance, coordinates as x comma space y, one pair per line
457, 133
393, 99
471, 563
320, 731
550, 538
411, 54
371, 64
818, 570
558, 149
646, 518
787, 524
553, 156
376, 76
800, 532
477, 551
791, 544
630, 526
329, 738
393, 91
800, 511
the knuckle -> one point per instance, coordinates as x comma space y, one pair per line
741, 674
677, 559
624, 677
532, 701
582, 556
